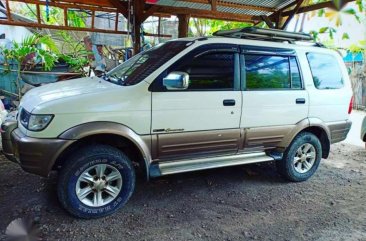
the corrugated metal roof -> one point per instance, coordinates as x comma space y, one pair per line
229, 6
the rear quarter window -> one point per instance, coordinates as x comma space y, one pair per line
325, 70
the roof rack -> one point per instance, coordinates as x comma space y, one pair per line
265, 34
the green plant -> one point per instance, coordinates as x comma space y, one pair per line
74, 52
203, 27
29, 52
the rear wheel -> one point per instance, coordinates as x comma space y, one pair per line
302, 158
96, 181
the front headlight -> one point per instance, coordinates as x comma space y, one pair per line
34, 122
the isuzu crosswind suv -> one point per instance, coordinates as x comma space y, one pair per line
243, 96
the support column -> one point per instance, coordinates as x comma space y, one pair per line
138, 11
137, 37
183, 25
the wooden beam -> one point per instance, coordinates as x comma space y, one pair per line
277, 14
183, 25
150, 11
278, 20
293, 12
120, 7
68, 5
329, 4
93, 19
66, 19
38, 12
138, 12
197, 13
59, 27
268, 21
116, 23
98, 3
8, 11
233, 5
214, 5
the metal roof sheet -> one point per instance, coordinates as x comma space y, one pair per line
231, 6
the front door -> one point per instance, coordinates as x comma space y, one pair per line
203, 119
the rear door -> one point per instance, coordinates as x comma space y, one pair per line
203, 119
274, 97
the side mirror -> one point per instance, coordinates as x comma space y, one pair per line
176, 81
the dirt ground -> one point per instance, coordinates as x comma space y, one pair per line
238, 203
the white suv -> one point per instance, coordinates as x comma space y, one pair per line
186, 105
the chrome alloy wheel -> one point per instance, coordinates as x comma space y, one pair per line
98, 185
304, 158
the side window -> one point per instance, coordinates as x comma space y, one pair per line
295, 74
325, 70
267, 72
211, 71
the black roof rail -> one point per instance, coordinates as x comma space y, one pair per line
265, 34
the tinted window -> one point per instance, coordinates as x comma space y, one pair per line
143, 64
214, 71
295, 74
267, 72
325, 70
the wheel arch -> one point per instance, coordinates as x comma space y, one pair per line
136, 147
314, 126
323, 137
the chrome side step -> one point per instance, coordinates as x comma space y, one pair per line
173, 167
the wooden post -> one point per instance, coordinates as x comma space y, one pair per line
66, 21
137, 37
8, 12
116, 23
138, 11
38, 14
183, 25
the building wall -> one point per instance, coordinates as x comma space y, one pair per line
14, 32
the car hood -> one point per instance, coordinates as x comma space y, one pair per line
64, 89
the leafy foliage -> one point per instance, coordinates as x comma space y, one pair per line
28, 53
204, 27
77, 55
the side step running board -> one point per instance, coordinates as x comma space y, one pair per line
173, 167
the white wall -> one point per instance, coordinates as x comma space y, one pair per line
14, 32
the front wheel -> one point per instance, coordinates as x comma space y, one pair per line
302, 158
96, 181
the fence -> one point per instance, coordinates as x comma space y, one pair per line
358, 79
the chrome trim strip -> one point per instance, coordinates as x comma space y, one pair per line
167, 168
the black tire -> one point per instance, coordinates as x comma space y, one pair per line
286, 166
78, 163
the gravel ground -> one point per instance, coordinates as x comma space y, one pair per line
238, 203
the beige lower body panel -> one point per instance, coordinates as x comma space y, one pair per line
265, 138
339, 130
189, 144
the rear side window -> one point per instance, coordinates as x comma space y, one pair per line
325, 70
271, 72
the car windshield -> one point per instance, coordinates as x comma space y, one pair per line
140, 66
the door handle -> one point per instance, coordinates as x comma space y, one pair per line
300, 101
228, 102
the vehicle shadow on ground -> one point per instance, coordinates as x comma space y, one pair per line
182, 187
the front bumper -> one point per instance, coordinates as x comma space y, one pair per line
34, 155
